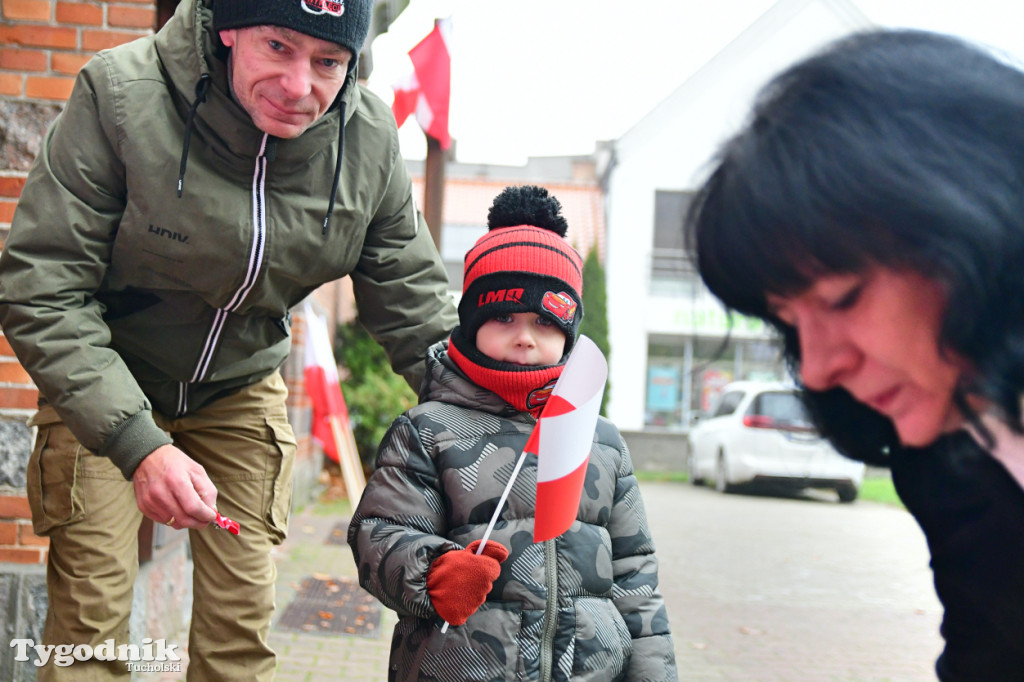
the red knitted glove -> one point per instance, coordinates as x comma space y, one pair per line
458, 581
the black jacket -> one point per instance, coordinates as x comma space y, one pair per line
972, 512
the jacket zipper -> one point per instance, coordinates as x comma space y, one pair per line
256, 254
547, 641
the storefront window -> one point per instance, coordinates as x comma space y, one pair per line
686, 375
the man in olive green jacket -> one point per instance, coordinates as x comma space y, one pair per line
198, 184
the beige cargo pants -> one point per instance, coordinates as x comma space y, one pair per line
87, 509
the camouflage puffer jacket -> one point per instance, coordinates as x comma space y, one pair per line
584, 606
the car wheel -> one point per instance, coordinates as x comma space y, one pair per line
847, 492
722, 484
691, 470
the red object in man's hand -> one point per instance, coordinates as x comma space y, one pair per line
458, 581
227, 524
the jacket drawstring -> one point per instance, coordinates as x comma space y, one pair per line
337, 169
201, 88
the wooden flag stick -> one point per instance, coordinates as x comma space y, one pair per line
348, 458
497, 512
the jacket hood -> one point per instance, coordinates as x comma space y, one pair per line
445, 382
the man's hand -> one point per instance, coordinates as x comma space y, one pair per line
173, 489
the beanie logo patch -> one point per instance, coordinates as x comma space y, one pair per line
500, 296
539, 396
560, 305
331, 7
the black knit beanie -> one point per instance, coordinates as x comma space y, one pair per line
345, 22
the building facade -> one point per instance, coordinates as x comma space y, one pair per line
673, 345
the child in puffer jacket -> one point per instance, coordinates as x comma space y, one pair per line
582, 606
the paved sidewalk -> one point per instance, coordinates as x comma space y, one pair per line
759, 589
310, 552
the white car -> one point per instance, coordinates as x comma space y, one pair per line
760, 432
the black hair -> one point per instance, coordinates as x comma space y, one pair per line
898, 148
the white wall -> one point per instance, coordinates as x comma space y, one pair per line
670, 149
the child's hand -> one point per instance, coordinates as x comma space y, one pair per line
458, 581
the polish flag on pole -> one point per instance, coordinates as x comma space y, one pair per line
331, 427
321, 374
427, 90
563, 437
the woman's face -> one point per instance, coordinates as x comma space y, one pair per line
876, 335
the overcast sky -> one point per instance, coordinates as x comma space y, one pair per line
551, 77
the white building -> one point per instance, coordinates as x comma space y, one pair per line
666, 330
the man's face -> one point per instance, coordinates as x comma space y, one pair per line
286, 80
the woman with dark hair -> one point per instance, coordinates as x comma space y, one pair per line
872, 211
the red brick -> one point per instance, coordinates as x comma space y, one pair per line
22, 555
94, 41
7, 207
48, 87
22, 60
13, 373
68, 62
7, 210
5, 347
8, 532
26, 10
11, 185
18, 398
10, 84
131, 17
29, 539
38, 36
14, 507
87, 14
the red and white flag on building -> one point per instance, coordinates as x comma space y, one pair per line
427, 90
563, 437
321, 374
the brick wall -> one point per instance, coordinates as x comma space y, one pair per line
43, 43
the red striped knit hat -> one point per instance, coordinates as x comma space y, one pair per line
523, 264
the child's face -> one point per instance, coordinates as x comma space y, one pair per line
522, 339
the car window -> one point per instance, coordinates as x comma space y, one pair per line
728, 403
783, 407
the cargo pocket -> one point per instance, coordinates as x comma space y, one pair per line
280, 473
53, 478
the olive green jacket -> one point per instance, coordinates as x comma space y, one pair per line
120, 297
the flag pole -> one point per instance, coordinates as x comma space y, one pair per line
497, 510
348, 458
434, 172
433, 188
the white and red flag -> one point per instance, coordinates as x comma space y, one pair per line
427, 90
321, 374
563, 437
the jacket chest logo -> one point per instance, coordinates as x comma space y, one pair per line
167, 234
